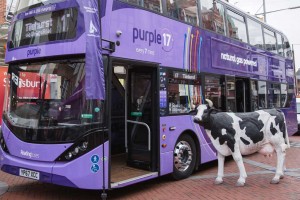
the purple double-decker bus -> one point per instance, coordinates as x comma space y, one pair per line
101, 92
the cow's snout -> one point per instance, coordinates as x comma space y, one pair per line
197, 119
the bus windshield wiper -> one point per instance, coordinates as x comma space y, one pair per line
42, 99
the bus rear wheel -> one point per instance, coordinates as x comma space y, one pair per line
184, 157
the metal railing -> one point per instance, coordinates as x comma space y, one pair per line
148, 128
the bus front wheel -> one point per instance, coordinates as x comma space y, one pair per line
184, 157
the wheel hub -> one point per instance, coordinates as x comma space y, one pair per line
182, 156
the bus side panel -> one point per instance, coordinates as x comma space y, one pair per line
85, 172
291, 119
171, 128
168, 35
166, 163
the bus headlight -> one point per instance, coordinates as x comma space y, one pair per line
68, 156
84, 145
78, 149
2, 143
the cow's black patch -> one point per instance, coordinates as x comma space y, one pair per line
283, 129
245, 141
253, 126
218, 122
279, 120
273, 129
230, 144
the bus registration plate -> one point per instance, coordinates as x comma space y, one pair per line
29, 174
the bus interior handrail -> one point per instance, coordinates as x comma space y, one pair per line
148, 128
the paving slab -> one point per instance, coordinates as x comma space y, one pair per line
200, 185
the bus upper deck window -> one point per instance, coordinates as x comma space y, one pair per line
154, 5
183, 10
279, 44
255, 33
173, 10
207, 14
212, 15
287, 48
270, 40
236, 26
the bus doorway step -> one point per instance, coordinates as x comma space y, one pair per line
139, 164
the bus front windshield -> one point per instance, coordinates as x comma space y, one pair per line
49, 95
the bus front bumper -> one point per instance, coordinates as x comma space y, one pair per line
79, 173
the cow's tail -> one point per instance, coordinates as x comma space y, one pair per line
287, 140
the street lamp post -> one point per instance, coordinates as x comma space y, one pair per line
265, 14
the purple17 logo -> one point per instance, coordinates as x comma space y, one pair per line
168, 40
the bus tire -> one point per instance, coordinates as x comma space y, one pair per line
184, 160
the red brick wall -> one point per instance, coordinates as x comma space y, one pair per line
2, 11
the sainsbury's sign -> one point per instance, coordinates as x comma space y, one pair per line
30, 85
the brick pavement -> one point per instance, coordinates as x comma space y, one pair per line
200, 185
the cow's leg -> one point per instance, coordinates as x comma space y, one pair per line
280, 164
284, 169
221, 160
283, 148
237, 156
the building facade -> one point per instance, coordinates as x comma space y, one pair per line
3, 30
2, 11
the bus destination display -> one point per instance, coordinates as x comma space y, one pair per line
52, 26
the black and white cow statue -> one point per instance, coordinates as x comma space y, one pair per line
240, 134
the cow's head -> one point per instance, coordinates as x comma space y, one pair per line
201, 109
